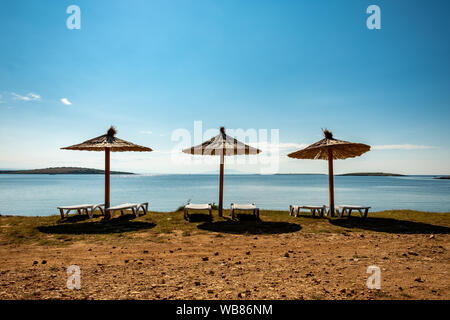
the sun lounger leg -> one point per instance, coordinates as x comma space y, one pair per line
210, 212
61, 212
331, 213
232, 213
185, 214
101, 210
135, 212
366, 211
291, 213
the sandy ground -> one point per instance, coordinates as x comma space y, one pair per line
208, 266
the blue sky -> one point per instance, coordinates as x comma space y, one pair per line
152, 67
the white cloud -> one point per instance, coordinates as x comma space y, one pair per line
401, 147
29, 97
146, 132
66, 102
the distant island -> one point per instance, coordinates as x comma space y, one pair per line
61, 170
373, 174
443, 177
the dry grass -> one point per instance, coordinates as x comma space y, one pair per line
52, 230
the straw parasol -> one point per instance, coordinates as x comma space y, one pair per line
222, 145
330, 148
108, 142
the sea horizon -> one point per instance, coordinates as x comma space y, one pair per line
40, 194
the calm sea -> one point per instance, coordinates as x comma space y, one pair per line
41, 194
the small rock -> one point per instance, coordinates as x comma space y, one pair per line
286, 255
210, 291
205, 258
432, 236
126, 261
44, 261
145, 251
418, 279
35, 262
248, 253
412, 253
197, 283
216, 254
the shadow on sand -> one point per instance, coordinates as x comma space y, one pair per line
390, 225
116, 225
249, 224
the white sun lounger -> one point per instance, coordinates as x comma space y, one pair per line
347, 209
198, 206
320, 210
87, 208
244, 207
126, 206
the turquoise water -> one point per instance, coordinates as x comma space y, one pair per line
41, 194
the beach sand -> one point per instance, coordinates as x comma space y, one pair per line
221, 265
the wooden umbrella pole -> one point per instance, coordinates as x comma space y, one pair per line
331, 180
107, 162
222, 160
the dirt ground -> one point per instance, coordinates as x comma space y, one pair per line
229, 266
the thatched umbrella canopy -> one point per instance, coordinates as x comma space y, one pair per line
108, 142
222, 145
330, 148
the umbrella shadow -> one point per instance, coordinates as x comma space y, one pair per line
77, 218
199, 217
250, 226
389, 225
117, 225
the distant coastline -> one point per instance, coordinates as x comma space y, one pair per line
61, 170
373, 174
443, 177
